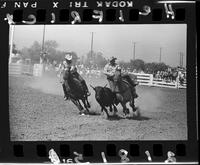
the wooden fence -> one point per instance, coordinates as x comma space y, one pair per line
38, 70
147, 79
18, 69
143, 79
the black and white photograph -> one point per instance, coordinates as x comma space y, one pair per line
98, 82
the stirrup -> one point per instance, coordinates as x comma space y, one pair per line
136, 83
135, 95
66, 97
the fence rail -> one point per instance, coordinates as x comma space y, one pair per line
18, 69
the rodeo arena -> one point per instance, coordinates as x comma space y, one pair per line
39, 111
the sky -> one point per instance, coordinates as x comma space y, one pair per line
112, 40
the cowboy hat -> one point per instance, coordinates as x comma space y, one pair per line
68, 57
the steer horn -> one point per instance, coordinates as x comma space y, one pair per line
92, 87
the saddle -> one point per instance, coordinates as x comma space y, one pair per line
119, 88
116, 83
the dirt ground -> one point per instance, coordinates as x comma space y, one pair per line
38, 112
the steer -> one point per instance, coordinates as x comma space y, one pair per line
105, 97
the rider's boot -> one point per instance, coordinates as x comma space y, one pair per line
136, 83
133, 92
115, 90
86, 88
116, 100
65, 92
65, 98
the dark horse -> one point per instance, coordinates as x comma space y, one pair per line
125, 95
76, 92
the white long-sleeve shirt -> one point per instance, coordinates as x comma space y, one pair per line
111, 69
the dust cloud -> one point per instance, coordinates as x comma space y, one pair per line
150, 99
48, 84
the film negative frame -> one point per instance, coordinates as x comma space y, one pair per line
184, 12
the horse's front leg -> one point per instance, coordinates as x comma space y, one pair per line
115, 109
110, 107
85, 104
125, 109
132, 104
81, 107
78, 105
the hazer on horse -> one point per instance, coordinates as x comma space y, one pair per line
74, 86
121, 84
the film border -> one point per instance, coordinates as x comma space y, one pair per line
30, 148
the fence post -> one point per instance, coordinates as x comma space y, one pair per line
151, 79
177, 83
38, 70
21, 68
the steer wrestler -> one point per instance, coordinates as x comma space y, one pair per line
110, 70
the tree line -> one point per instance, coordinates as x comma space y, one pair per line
91, 59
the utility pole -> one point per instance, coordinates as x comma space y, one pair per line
92, 41
91, 49
134, 51
11, 33
44, 28
160, 54
42, 51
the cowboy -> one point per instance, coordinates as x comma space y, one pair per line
111, 69
68, 66
180, 76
